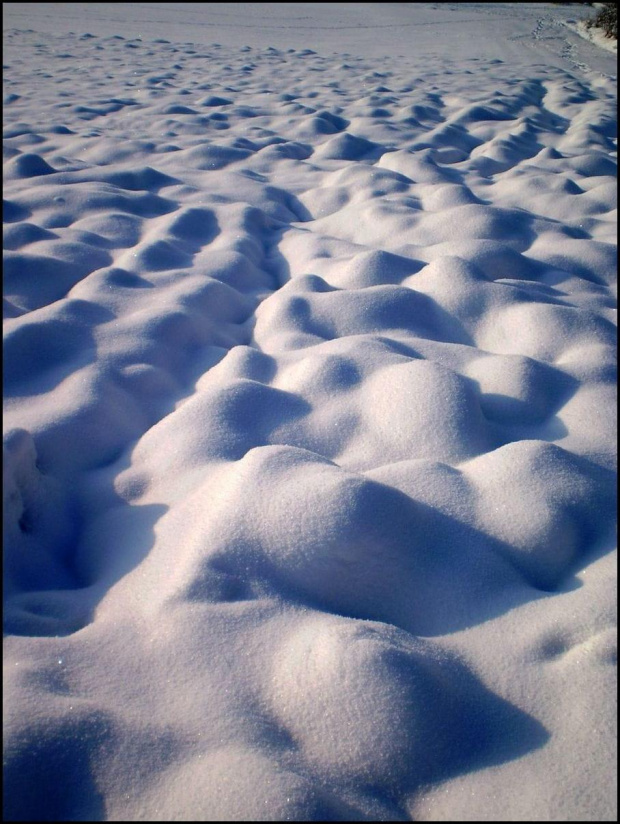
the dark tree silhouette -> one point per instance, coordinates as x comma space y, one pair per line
607, 20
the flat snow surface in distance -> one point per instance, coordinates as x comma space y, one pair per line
309, 413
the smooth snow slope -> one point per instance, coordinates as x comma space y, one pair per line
309, 383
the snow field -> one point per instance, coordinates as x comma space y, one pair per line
309, 415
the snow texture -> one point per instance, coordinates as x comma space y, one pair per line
309, 413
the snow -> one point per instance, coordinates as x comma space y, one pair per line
594, 34
309, 413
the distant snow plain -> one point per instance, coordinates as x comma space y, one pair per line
309, 413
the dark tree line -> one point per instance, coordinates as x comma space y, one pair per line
607, 20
